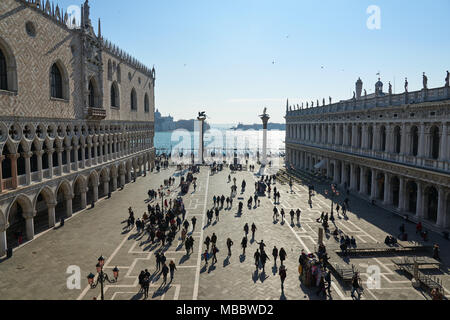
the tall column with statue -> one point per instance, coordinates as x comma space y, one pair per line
201, 118
265, 119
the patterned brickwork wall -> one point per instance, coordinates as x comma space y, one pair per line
34, 57
142, 83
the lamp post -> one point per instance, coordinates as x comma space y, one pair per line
102, 277
334, 192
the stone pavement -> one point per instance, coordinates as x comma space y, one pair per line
38, 270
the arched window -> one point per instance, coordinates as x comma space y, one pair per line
397, 139
91, 94
56, 82
133, 99
3, 72
146, 104
414, 141
434, 142
114, 95
359, 137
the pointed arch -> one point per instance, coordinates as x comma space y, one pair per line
8, 68
59, 81
133, 100
114, 95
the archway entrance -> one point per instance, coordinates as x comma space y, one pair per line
411, 197
380, 186
431, 203
41, 220
16, 232
395, 185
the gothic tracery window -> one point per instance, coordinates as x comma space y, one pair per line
3, 72
56, 82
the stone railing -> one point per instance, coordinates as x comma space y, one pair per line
428, 95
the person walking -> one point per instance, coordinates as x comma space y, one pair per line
214, 239
165, 271
275, 213
283, 255
246, 229
229, 244
298, 213
205, 256
328, 280
172, 268
214, 253
207, 242
158, 260
194, 221
244, 244
146, 286
355, 286
257, 255
282, 273
253, 230
275, 255
261, 245
292, 213
282, 215
263, 258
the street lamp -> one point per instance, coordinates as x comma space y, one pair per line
102, 277
334, 192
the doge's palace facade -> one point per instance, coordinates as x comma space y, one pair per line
392, 149
76, 117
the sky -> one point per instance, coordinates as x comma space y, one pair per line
233, 58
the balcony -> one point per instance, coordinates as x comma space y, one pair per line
96, 114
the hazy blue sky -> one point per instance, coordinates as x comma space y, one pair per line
232, 58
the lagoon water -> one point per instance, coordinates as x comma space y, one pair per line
220, 139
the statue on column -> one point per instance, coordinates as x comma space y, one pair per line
406, 84
425, 81
447, 79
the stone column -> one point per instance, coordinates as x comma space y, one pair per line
441, 208
75, 156
352, 177
60, 165
83, 194
50, 162
401, 194
100, 155
89, 159
403, 149
354, 136
95, 153
387, 187
114, 186
421, 151
2, 157
122, 179
201, 146
443, 149
373, 193
343, 175
69, 164
39, 154
3, 242
51, 214
376, 138
265, 119
83, 156
27, 156
13, 158
419, 208
362, 182
335, 174
69, 206
29, 223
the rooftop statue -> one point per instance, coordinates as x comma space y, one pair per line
406, 84
447, 79
425, 81
330, 99
365, 92
390, 88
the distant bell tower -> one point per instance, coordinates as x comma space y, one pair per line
359, 86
